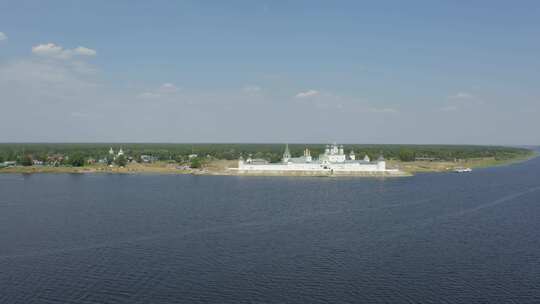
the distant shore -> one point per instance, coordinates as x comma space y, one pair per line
222, 167
446, 166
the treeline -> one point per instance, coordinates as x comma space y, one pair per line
272, 152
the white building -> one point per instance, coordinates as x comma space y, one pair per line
333, 160
115, 156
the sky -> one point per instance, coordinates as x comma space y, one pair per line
395, 72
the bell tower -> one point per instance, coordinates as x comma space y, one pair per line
286, 154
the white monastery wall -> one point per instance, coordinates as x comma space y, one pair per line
334, 159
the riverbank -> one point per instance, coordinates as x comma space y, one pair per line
133, 168
446, 166
227, 167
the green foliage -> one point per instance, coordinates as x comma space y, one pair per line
406, 155
26, 160
195, 163
121, 161
1, 159
271, 152
77, 160
274, 158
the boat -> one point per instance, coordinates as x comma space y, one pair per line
462, 170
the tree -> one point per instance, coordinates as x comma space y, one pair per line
26, 160
121, 161
406, 155
1, 158
195, 163
275, 158
77, 160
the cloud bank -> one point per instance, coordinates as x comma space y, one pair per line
51, 50
307, 94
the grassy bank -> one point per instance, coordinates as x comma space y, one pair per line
444, 166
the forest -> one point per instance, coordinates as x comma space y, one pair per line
24, 152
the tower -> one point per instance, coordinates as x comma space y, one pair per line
307, 155
286, 154
240, 162
334, 149
381, 163
352, 156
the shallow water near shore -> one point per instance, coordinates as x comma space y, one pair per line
431, 238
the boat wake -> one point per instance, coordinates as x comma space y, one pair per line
496, 202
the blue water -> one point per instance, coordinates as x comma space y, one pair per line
432, 238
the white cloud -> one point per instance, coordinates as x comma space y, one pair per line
307, 94
49, 49
52, 50
83, 51
3, 36
168, 88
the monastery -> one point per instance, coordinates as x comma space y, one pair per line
334, 160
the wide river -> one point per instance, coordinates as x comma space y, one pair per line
431, 238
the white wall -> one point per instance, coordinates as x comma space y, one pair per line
340, 167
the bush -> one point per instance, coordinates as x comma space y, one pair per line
195, 163
121, 161
406, 155
77, 160
26, 160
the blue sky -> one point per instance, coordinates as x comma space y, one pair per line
271, 71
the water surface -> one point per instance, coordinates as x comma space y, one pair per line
432, 238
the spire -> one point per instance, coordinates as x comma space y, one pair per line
286, 154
